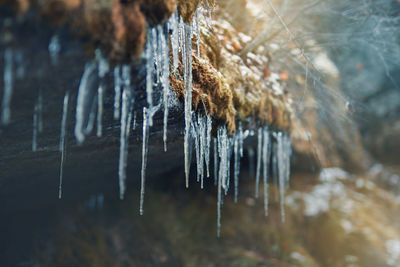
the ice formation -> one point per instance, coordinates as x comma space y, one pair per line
126, 116
54, 49
273, 148
8, 86
62, 146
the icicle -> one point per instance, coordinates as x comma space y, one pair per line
173, 23
197, 29
265, 157
219, 203
85, 108
54, 49
103, 68
202, 138
156, 56
241, 139
222, 172
165, 82
208, 143
40, 112
187, 59
117, 89
282, 165
223, 149
134, 121
259, 156
62, 146
150, 57
195, 136
125, 127
100, 111
144, 157
8, 86
215, 161
236, 165
35, 128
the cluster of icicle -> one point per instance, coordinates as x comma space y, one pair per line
271, 156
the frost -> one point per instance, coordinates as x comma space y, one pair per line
8, 86
62, 146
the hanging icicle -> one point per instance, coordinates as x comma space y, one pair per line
8, 86
103, 68
117, 90
145, 140
86, 104
150, 62
54, 49
173, 25
165, 81
40, 111
265, 157
125, 128
35, 127
259, 157
196, 27
62, 146
283, 159
236, 154
187, 63
208, 143
215, 161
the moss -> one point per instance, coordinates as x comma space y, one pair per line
158, 11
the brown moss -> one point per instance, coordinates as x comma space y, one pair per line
158, 11
187, 9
